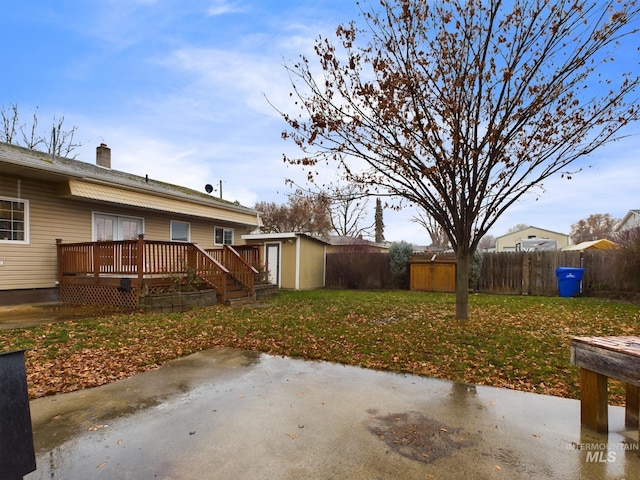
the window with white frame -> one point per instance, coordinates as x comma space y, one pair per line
114, 227
223, 236
180, 231
14, 220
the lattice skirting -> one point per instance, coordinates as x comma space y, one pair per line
107, 295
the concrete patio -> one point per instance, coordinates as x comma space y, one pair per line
230, 414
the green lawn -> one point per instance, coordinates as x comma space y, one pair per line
509, 341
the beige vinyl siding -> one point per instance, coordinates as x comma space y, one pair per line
34, 265
288, 265
158, 227
312, 255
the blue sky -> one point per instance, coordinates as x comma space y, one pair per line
177, 89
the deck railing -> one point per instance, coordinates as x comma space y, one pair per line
241, 265
140, 259
249, 253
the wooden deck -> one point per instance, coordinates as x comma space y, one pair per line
118, 273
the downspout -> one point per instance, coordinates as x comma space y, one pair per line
297, 282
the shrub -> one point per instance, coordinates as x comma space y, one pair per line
475, 267
399, 255
629, 260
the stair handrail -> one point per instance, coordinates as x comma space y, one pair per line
241, 270
205, 273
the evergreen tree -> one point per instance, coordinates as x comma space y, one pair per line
379, 222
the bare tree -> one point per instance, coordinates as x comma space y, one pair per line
61, 142
348, 212
594, 227
462, 107
303, 214
9, 124
518, 227
487, 243
58, 142
439, 238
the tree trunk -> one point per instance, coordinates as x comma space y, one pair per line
462, 286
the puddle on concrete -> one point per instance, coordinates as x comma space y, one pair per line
419, 438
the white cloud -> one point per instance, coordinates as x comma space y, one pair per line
221, 7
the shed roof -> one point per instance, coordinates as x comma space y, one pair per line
602, 244
281, 236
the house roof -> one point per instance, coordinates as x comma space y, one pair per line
92, 182
531, 226
625, 219
602, 244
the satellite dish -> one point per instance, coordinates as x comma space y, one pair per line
208, 188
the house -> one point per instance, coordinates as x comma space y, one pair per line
294, 261
531, 238
629, 221
67, 225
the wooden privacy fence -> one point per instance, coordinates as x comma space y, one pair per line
524, 273
516, 273
361, 270
534, 273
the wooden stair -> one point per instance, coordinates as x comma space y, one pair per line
237, 294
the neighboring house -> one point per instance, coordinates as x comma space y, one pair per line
530, 237
294, 261
44, 200
602, 244
341, 243
629, 221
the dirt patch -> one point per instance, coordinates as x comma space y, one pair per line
414, 436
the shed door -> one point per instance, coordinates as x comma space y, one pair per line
272, 263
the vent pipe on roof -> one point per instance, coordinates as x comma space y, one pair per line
103, 156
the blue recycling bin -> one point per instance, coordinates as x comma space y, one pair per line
569, 279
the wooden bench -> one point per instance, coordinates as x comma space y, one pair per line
599, 359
